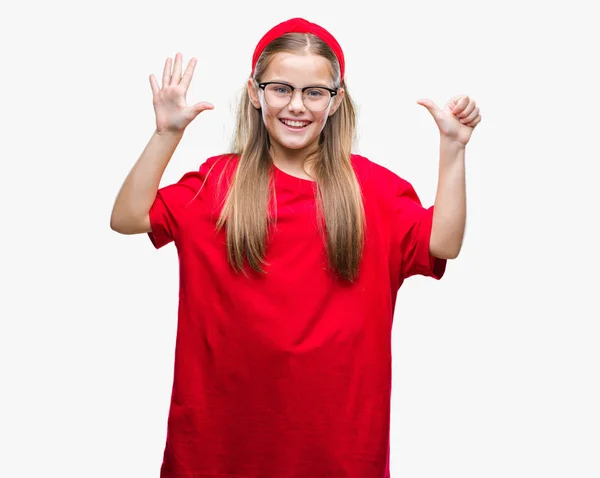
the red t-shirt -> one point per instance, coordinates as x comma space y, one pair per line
286, 375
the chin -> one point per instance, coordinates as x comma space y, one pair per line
294, 144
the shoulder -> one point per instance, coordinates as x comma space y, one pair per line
210, 170
205, 181
221, 163
372, 175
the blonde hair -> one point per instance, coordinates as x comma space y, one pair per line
246, 214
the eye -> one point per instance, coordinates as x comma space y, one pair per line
315, 92
280, 89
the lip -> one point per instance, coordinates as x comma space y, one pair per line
289, 128
295, 119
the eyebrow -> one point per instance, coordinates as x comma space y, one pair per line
312, 85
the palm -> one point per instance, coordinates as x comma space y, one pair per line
451, 126
172, 112
170, 106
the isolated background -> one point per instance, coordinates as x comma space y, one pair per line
496, 367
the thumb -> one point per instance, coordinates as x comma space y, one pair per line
191, 112
200, 107
430, 105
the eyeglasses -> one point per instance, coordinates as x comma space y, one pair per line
279, 95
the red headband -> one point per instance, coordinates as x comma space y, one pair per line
299, 25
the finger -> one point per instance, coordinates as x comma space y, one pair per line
475, 122
166, 81
189, 72
468, 110
470, 117
176, 78
460, 104
453, 103
154, 85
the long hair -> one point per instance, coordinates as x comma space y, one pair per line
246, 212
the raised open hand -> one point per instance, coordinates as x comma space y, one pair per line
170, 107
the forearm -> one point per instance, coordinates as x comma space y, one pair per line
449, 215
138, 192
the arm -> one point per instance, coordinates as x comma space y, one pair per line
456, 122
131, 210
135, 198
449, 214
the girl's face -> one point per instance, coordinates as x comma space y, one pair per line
298, 71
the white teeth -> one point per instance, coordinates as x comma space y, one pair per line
295, 124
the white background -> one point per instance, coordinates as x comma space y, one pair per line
496, 367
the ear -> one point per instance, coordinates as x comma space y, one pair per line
253, 94
337, 101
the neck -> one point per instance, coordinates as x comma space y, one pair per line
293, 162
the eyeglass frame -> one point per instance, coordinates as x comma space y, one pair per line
333, 92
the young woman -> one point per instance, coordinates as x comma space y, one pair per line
292, 250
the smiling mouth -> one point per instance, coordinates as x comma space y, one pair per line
295, 125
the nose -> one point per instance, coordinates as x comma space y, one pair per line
296, 102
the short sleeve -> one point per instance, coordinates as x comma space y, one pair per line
413, 228
169, 209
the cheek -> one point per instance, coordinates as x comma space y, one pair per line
319, 120
269, 117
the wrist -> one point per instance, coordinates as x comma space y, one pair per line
451, 144
169, 133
